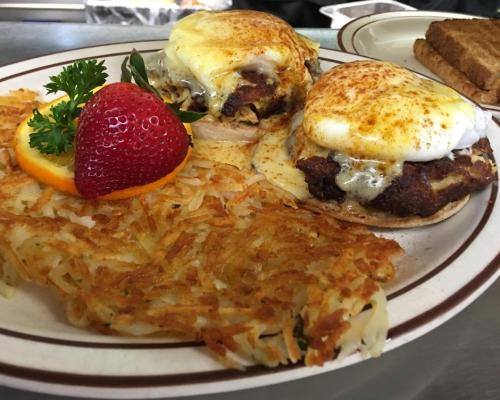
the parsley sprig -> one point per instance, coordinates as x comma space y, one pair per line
55, 133
133, 67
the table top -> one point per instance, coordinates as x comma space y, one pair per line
458, 360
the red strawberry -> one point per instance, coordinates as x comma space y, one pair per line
126, 137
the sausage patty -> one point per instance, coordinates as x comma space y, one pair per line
257, 96
422, 189
258, 92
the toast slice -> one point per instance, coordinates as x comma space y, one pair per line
470, 45
429, 57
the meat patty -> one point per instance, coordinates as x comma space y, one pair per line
320, 177
422, 189
256, 88
259, 94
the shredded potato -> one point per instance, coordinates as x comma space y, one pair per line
218, 255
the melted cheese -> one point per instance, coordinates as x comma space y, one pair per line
365, 179
377, 110
237, 154
207, 50
271, 158
361, 179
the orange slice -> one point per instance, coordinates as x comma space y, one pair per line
58, 171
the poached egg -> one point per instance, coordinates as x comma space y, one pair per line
376, 110
207, 50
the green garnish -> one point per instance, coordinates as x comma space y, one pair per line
55, 133
299, 335
126, 75
186, 116
133, 67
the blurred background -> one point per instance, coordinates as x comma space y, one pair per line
160, 12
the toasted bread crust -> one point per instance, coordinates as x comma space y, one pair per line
471, 46
429, 57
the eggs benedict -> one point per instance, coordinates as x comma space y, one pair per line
379, 145
241, 67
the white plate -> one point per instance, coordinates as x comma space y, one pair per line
445, 268
390, 37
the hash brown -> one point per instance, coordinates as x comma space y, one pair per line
219, 255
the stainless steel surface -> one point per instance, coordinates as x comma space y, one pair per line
459, 360
36, 10
43, 6
19, 40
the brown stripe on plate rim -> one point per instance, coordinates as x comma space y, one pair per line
134, 381
465, 244
138, 381
344, 27
455, 299
372, 22
211, 376
100, 345
378, 20
436, 270
122, 53
167, 345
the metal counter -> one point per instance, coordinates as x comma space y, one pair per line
459, 360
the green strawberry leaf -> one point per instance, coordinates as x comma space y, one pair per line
188, 116
133, 67
137, 62
126, 75
143, 83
